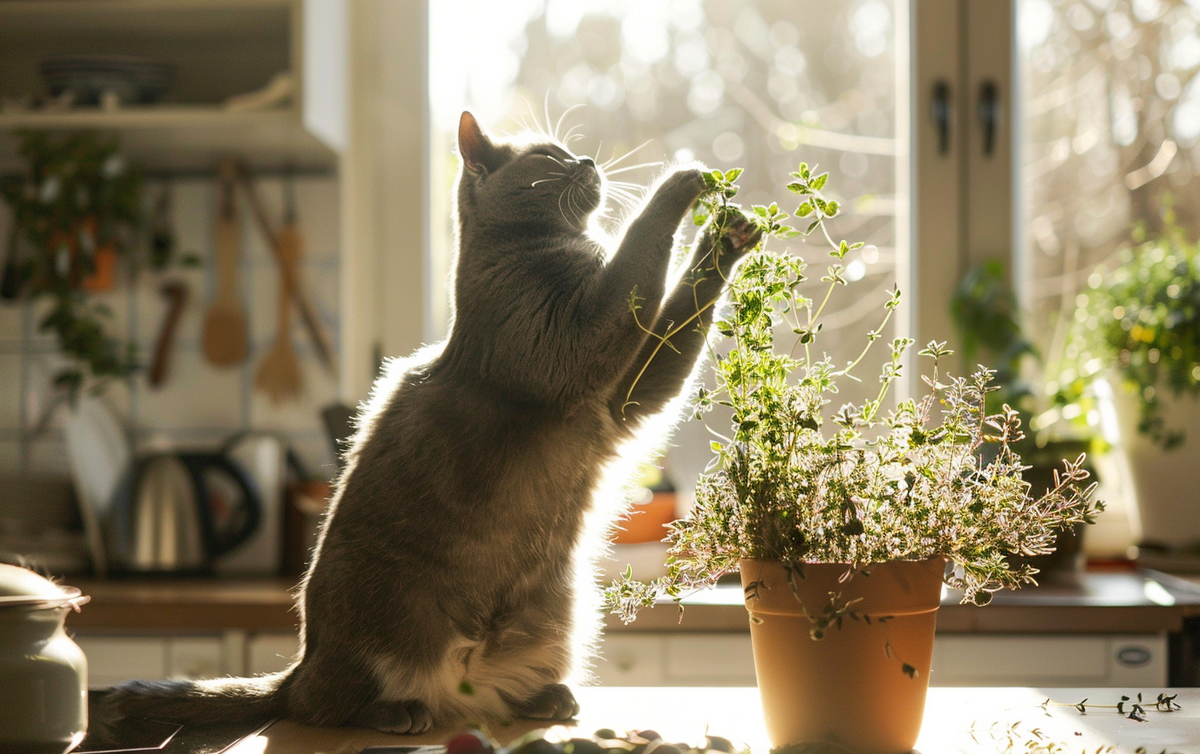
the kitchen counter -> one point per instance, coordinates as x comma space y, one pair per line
1093, 602
956, 720
154, 604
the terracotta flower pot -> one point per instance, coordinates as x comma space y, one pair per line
849, 689
102, 275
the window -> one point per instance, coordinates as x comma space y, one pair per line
1035, 132
761, 85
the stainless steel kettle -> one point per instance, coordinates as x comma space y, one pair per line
177, 512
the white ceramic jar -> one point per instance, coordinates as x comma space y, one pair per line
43, 674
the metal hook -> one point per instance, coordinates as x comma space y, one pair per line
989, 114
939, 112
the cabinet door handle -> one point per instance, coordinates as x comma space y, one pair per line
989, 114
939, 113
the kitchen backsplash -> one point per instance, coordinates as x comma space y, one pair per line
199, 405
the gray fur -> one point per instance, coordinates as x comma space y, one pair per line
445, 584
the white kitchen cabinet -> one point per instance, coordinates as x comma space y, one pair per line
1049, 660
113, 659
116, 658
630, 660
270, 652
726, 659
195, 657
683, 659
219, 48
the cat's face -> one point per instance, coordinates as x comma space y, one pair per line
537, 183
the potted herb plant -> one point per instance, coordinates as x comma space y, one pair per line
986, 318
76, 205
1139, 327
842, 521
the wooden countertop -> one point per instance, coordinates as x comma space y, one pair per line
186, 604
951, 716
1103, 602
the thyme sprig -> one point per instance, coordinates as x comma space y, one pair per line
801, 481
1134, 709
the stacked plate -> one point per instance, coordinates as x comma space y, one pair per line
132, 80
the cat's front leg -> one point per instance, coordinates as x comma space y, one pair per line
667, 358
627, 295
554, 702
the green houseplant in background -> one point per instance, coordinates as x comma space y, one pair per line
986, 317
1138, 328
77, 206
842, 520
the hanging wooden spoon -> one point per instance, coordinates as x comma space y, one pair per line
279, 374
176, 294
224, 336
308, 314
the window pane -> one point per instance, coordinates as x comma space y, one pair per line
760, 85
1111, 119
1110, 122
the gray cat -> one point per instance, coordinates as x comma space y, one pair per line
454, 575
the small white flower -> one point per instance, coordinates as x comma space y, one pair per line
50, 189
113, 166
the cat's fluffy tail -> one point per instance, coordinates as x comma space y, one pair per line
221, 700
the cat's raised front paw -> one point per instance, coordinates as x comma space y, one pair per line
686, 181
739, 233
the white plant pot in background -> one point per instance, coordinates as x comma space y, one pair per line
1166, 483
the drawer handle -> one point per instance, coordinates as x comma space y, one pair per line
1133, 656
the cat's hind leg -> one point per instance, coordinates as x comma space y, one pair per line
329, 690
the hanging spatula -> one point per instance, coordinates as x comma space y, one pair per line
278, 374
224, 337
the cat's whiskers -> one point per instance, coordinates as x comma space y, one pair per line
626, 169
614, 160
561, 211
622, 197
571, 135
544, 180
546, 113
626, 198
558, 125
627, 185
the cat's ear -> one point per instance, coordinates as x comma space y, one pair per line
473, 144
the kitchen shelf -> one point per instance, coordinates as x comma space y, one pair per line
217, 48
182, 137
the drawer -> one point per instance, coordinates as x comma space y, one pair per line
1049, 660
678, 659
630, 660
195, 657
710, 660
113, 659
268, 653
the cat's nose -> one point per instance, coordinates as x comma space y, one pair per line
587, 161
